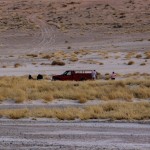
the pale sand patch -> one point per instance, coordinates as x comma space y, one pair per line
103, 61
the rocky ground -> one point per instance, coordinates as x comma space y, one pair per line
41, 26
78, 135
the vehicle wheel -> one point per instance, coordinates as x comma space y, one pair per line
56, 79
82, 79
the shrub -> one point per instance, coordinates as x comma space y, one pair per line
59, 63
69, 47
130, 62
17, 114
47, 57
147, 57
107, 76
32, 55
129, 55
73, 59
4, 66
142, 64
111, 110
138, 56
45, 64
17, 65
21, 89
101, 63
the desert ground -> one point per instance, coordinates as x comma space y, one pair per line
79, 33
49, 37
82, 135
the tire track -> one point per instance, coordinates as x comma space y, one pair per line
44, 39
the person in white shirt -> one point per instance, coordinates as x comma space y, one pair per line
94, 74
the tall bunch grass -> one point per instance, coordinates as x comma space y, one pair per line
109, 110
21, 89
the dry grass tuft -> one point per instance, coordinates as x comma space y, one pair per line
17, 65
107, 76
130, 62
4, 66
130, 55
110, 110
90, 61
21, 89
147, 55
32, 55
143, 64
47, 57
101, 63
74, 59
117, 57
59, 63
138, 56
69, 47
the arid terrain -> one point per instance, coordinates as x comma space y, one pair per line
41, 28
51, 36
76, 135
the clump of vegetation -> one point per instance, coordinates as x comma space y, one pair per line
69, 47
21, 89
138, 56
130, 62
34, 63
47, 57
17, 65
59, 63
107, 76
147, 55
4, 66
90, 61
74, 59
143, 64
116, 57
32, 55
45, 64
101, 63
111, 110
117, 25
99, 75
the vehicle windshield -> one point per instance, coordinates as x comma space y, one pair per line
65, 73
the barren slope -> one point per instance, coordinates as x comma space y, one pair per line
37, 26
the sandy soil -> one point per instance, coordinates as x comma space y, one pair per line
80, 135
112, 61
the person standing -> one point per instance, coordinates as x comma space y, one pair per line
113, 76
94, 74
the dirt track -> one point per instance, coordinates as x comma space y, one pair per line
43, 39
91, 135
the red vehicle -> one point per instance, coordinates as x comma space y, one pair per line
77, 75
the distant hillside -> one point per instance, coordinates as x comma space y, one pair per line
128, 15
